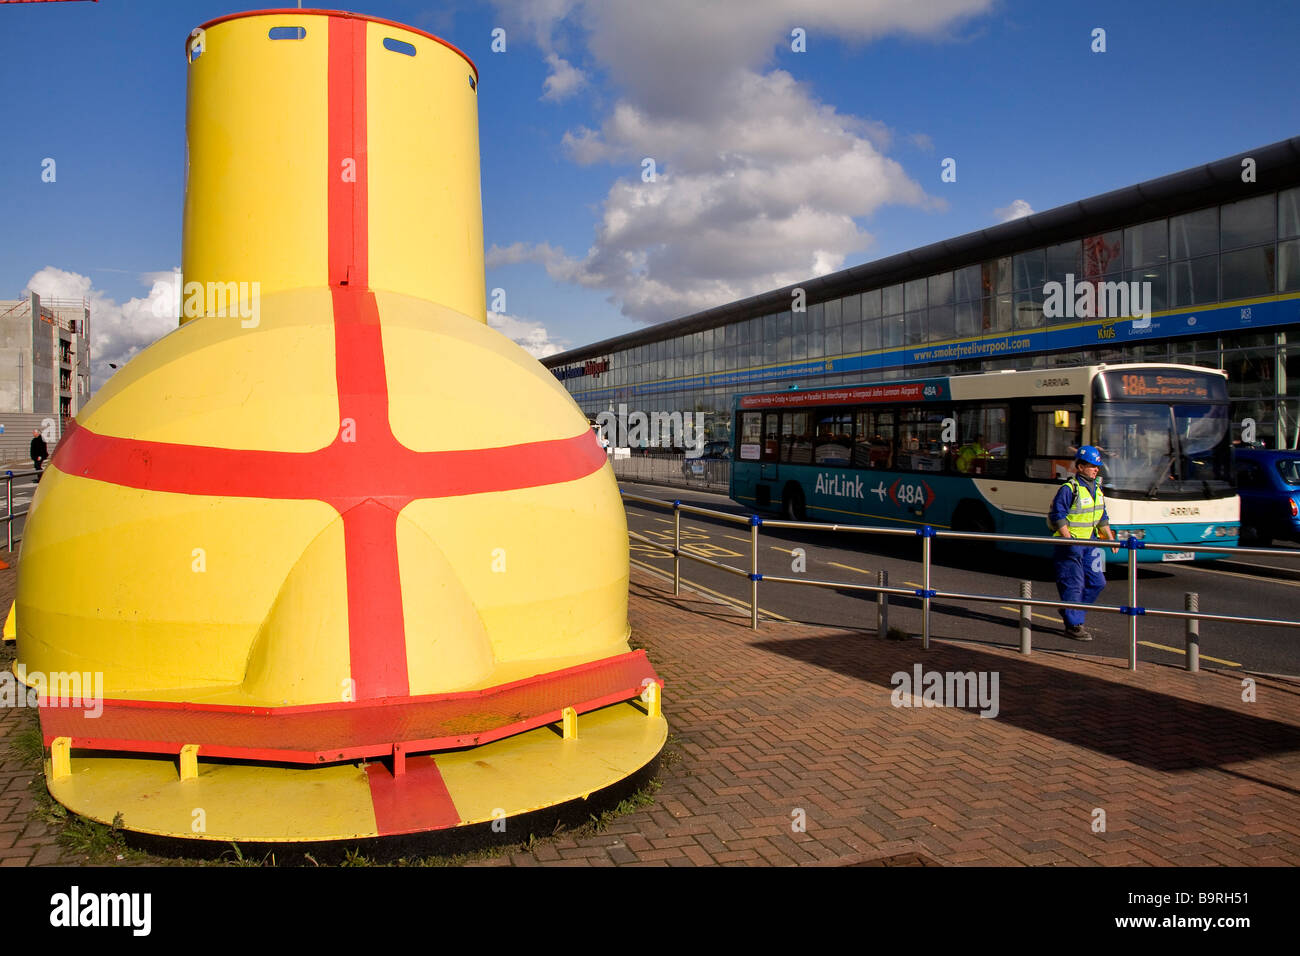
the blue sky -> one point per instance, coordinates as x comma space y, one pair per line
773, 165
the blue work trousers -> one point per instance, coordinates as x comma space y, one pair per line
1080, 577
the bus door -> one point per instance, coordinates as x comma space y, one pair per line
768, 470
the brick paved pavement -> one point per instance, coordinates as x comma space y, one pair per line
24, 841
800, 718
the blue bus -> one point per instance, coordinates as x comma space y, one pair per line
986, 452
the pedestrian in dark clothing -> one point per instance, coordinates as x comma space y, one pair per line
40, 454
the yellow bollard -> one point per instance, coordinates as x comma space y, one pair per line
61, 758
190, 762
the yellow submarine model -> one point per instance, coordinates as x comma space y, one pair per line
350, 563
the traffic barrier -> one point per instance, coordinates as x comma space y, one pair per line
1132, 610
9, 502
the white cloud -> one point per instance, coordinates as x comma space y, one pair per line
1018, 209
759, 182
922, 141
117, 330
531, 336
565, 79
521, 252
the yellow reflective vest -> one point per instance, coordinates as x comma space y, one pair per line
1085, 512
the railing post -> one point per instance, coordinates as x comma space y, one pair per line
677, 547
754, 522
1132, 606
926, 534
1026, 616
882, 604
9, 503
1192, 602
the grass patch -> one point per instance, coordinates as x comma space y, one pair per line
235, 857
98, 842
29, 748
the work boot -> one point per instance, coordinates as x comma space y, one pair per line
1078, 633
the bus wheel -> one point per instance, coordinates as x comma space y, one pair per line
973, 516
792, 503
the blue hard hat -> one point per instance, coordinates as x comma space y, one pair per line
1089, 455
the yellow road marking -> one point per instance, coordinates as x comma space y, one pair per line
1179, 650
722, 597
717, 551
1044, 617
664, 520
775, 548
736, 538
849, 568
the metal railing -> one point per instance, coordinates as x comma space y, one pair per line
9, 516
1132, 610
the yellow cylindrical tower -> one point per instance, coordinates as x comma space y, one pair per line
333, 515
343, 130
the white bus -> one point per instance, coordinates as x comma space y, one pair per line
986, 452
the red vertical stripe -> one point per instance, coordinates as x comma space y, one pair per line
376, 631
347, 153
361, 376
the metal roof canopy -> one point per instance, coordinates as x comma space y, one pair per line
1276, 166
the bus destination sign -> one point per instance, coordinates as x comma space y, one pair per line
1165, 385
910, 392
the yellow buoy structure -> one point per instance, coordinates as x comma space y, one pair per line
338, 560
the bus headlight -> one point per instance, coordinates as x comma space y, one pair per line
1226, 532
1123, 534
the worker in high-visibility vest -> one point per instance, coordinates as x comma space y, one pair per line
1079, 511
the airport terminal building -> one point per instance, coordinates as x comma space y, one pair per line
1200, 267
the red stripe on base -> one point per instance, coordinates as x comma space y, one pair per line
417, 800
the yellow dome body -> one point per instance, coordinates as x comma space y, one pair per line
333, 516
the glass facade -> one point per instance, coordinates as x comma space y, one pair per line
1216, 280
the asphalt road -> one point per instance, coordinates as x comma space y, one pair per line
1250, 586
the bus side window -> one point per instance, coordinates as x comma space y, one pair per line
796, 442
862, 432
751, 436
771, 436
882, 442
1054, 438
982, 441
